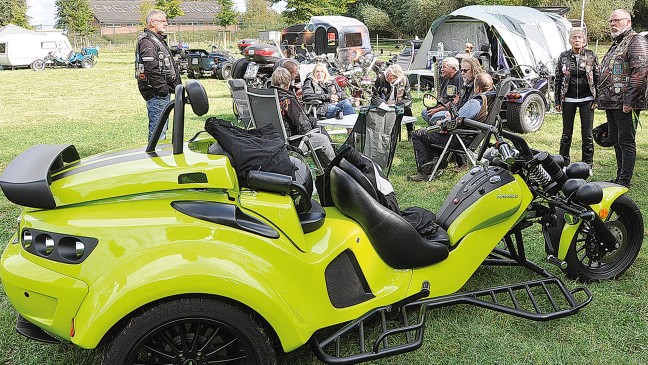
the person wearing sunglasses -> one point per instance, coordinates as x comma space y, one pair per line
155, 70
622, 90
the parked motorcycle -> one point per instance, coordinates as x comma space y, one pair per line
163, 255
73, 59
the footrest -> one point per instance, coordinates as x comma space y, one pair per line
381, 332
539, 300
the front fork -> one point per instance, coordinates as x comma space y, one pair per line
559, 235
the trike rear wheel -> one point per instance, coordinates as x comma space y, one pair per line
586, 259
191, 331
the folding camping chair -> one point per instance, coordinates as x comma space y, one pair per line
240, 102
265, 109
494, 100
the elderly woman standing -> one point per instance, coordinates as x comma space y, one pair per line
576, 87
318, 86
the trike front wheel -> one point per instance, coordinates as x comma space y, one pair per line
191, 331
587, 260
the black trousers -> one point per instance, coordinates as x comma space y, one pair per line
587, 119
427, 145
621, 131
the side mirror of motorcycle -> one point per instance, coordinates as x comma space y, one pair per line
589, 193
430, 101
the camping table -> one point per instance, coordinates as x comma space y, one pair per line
348, 121
419, 73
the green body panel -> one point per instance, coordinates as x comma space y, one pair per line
40, 295
158, 252
449, 275
132, 171
490, 209
610, 194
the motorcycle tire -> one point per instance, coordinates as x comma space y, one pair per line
526, 117
38, 65
239, 67
584, 260
225, 71
201, 326
86, 63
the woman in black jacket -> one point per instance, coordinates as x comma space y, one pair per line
318, 86
576, 87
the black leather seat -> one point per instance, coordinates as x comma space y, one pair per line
397, 243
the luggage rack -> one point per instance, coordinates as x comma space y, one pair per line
392, 330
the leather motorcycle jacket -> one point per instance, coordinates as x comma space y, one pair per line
623, 73
577, 75
155, 69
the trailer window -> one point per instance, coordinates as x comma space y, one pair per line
48, 45
3, 47
353, 39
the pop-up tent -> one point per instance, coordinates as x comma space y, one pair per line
20, 47
507, 35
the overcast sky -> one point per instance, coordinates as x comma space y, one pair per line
42, 12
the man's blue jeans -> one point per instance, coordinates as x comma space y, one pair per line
155, 106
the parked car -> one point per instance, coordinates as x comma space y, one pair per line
216, 63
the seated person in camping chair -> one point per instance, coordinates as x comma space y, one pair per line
295, 119
428, 145
318, 87
451, 82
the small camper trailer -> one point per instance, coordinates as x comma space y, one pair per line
344, 36
20, 47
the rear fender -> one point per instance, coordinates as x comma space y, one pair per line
610, 193
133, 286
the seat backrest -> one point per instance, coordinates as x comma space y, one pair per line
494, 100
241, 107
397, 243
305, 70
265, 109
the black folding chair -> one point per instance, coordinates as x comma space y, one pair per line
240, 102
265, 109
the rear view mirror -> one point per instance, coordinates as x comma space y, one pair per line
430, 101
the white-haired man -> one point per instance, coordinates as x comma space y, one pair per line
452, 81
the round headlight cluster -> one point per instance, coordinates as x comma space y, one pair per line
57, 247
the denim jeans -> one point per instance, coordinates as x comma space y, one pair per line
155, 106
344, 105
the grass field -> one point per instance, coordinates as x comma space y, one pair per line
100, 109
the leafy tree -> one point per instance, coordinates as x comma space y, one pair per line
597, 14
75, 16
14, 12
378, 20
170, 7
299, 11
145, 7
226, 14
259, 15
640, 21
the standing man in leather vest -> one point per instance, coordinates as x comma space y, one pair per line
156, 73
622, 90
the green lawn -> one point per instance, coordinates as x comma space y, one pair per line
100, 109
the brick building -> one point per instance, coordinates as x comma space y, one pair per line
124, 16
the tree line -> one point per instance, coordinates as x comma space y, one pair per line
388, 18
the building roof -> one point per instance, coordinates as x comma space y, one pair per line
128, 11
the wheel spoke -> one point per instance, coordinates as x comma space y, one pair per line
223, 347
